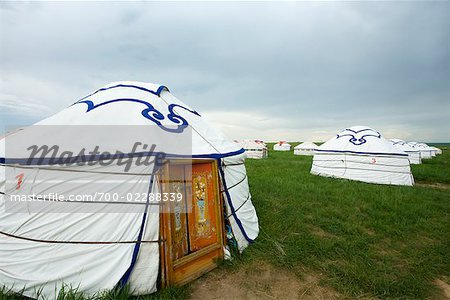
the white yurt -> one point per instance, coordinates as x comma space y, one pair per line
437, 150
433, 151
413, 153
306, 148
361, 153
425, 151
282, 146
424, 148
92, 246
254, 149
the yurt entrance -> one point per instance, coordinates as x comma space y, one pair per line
191, 229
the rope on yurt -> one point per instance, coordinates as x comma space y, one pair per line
74, 170
78, 242
230, 165
234, 185
240, 206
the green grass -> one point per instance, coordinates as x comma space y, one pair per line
67, 293
435, 170
366, 240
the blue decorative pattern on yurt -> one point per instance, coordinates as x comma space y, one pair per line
356, 137
399, 142
150, 113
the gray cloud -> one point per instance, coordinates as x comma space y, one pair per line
258, 70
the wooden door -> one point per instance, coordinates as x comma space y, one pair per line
192, 229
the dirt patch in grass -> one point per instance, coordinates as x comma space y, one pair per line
260, 280
444, 287
321, 233
368, 231
434, 185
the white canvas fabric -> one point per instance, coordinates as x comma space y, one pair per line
425, 151
41, 251
254, 149
437, 150
413, 153
282, 146
361, 153
306, 148
433, 151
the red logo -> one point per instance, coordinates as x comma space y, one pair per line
19, 181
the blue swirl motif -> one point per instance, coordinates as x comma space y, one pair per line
150, 113
361, 140
398, 142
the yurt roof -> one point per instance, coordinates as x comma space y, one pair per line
403, 145
138, 103
250, 144
360, 140
306, 145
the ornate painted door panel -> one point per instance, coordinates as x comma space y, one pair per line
202, 219
193, 228
179, 218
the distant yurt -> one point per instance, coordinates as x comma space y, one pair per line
432, 150
282, 146
437, 150
413, 153
361, 153
425, 151
189, 209
254, 149
306, 148
266, 149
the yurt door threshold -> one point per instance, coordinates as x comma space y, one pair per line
191, 229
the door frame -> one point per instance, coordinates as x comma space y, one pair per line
195, 264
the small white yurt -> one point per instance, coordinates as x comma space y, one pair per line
306, 148
425, 151
261, 142
413, 153
92, 245
361, 153
282, 146
433, 151
437, 150
254, 149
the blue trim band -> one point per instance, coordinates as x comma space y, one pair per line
230, 203
356, 152
91, 158
157, 93
124, 280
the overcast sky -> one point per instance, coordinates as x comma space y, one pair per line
274, 71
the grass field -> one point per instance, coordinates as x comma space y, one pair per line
367, 240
